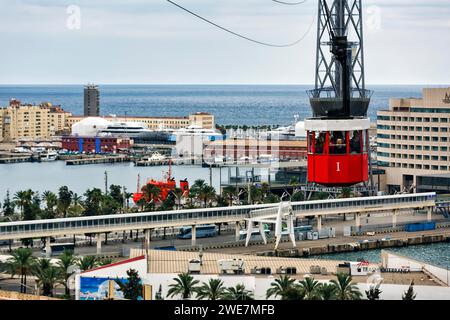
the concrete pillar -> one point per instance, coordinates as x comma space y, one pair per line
194, 235
99, 243
237, 230
147, 234
394, 219
48, 248
319, 223
429, 213
358, 220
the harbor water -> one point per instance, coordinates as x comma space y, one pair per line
437, 254
52, 175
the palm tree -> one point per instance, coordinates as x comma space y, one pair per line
345, 289
64, 200
184, 285
229, 193
202, 191
51, 201
280, 287
178, 193
87, 262
374, 292
22, 199
65, 264
151, 194
21, 263
238, 293
212, 290
47, 276
327, 291
310, 288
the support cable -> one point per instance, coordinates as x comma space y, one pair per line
243, 36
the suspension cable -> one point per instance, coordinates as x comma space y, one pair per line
243, 36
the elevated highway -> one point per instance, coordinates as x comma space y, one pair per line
194, 217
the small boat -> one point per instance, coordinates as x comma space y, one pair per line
48, 156
155, 157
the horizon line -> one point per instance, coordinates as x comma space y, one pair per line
212, 84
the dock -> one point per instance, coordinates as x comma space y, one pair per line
21, 159
98, 160
165, 162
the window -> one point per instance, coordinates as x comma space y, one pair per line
338, 142
355, 142
320, 139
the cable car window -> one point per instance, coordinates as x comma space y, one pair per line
320, 142
355, 142
338, 142
310, 141
365, 141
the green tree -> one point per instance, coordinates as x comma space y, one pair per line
21, 263
310, 288
105, 262
87, 262
64, 200
92, 203
115, 192
345, 289
280, 287
151, 195
238, 292
184, 285
374, 292
47, 276
66, 263
8, 206
202, 191
229, 192
271, 198
132, 288
109, 206
51, 200
327, 291
409, 294
211, 290
294, 293
24, 200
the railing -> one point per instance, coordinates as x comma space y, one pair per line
150, 220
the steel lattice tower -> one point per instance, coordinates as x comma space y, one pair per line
326, 98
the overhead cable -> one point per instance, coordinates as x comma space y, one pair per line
240, 35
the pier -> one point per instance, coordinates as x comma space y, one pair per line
165, 162
98, 160
20, 159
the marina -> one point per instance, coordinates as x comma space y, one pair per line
337, 189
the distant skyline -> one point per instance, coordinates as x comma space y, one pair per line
153, 42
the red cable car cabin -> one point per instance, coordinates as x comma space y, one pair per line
338, 151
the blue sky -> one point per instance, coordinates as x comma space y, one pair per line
151, 41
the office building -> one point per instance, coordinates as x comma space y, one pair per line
91, 101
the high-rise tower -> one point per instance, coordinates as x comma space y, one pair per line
91, 101
346, 19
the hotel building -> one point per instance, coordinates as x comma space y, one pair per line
413, 139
